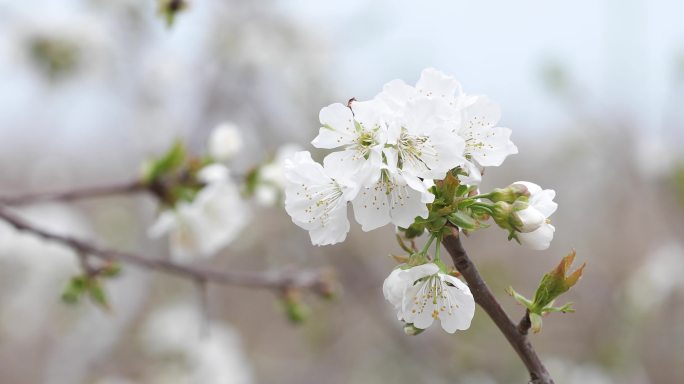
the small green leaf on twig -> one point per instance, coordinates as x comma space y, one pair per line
170, 161
552, 285
295, 310
81, 285
97, 294
557, 282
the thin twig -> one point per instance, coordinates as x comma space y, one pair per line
316, 280
109, 190
484, 297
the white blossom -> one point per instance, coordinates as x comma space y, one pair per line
536, 217
225, 142
422, 142
212, 220
361, 133
486, 144
316, 201
272, 182
175, 333
473, 118
423, 294
394, 198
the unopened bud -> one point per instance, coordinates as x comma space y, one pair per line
517, 217
501, 214
509, 194
526, 218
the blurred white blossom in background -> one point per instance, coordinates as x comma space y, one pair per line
173, 334
211, 221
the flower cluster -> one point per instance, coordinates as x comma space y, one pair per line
389, 147
414, 156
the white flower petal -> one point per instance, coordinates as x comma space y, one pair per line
393, 288
531, 219
532, 188
371, 208
431, 296
543, 202
435, 83
315, 201
225, 142
458, 308
338, 127
539, 239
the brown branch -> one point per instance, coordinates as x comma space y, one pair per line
316, 280
484, 297
119, 189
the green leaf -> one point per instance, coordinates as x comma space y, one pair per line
557, 282
173, 159
520, 298
252, 181
552, 285
296, 311
97, 294
74, 290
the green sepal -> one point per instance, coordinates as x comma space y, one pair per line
411, 330
415, 230
415, 259
465, 221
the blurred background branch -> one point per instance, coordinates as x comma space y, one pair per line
77, 194
316, 280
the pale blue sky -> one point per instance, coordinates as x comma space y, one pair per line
621, 52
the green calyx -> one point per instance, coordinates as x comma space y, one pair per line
509, 194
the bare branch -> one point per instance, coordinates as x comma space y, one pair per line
119, 189
484, 297
317, 280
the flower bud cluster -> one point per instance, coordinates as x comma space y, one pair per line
524, 209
